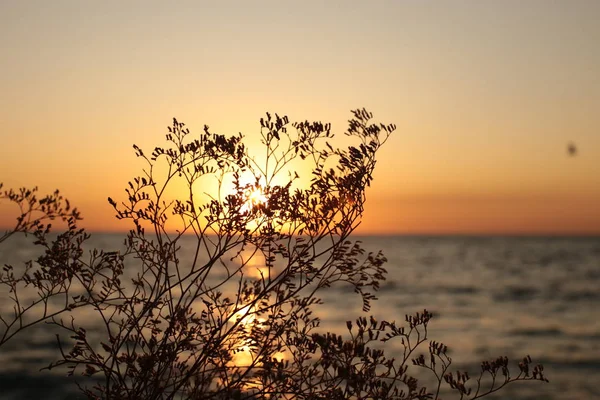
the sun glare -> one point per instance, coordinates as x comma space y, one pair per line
256, 196
253, 197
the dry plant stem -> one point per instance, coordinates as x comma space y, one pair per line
176, 328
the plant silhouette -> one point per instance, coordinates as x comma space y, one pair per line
213, 323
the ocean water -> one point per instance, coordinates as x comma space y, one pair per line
490, 296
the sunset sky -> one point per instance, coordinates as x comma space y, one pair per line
486, 96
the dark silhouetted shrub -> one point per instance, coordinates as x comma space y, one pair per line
210, 323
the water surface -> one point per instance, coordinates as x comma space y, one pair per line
490, 296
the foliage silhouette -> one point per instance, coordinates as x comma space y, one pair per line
211, 324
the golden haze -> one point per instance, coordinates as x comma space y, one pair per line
486, 96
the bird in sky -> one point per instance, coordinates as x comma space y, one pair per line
571, 149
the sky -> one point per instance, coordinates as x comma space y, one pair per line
486, 96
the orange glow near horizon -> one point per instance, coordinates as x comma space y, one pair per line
486, 97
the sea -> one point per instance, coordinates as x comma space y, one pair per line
490, 297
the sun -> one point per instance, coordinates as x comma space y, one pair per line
256, 196
253, 196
